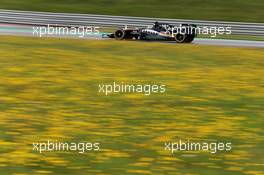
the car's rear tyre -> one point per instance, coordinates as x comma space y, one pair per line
120, 34
180, 38
189, 38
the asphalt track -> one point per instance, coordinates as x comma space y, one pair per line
73, 19
27, 30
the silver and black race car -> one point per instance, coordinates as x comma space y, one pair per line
185, 33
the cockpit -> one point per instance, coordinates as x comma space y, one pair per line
161, 27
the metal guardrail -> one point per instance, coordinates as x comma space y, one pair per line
68, 19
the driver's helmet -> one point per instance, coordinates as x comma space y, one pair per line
156, 24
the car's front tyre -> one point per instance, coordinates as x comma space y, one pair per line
120, 34
180, 38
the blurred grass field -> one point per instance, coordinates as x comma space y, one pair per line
48, 90
226, 10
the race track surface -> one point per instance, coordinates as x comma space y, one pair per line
27, 30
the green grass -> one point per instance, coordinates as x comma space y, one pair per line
226, 10
48, 90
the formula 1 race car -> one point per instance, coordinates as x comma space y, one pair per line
185, 33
